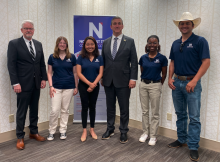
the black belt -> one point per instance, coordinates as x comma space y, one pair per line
150, 81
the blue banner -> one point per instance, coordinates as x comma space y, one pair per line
99, 28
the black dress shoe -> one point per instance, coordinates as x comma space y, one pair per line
108, 134
194, 155
176, 144
123, 138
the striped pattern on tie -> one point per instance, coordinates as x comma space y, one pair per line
32, 51
114, 51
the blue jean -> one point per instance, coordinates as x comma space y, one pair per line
181, 98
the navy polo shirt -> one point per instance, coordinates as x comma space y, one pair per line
90, 70
63, 77
152, 69
188, 62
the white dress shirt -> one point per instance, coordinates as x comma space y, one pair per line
118, 41
28, 44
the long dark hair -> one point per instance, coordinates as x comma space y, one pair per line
152, 36
84, 53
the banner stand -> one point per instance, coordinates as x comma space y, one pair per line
99, 28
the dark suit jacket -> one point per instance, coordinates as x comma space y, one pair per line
124, 66
22, 68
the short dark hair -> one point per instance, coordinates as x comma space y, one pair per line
116, 17
152, 36
84, 53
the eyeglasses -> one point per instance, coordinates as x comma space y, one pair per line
181, 47
28, 28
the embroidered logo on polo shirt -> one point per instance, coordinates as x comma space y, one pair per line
157, 61
190, 45
96, 60
68, 60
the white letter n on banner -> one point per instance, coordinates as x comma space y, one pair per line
93, 28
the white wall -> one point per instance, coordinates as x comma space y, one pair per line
142, 18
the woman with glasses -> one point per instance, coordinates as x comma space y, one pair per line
151, 65
90, 71
63, 81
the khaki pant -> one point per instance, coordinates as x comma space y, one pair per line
60, 103
150, 92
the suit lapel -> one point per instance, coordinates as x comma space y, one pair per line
109, 49
121, 47
36, 49
25, 47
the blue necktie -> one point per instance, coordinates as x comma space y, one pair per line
114, 51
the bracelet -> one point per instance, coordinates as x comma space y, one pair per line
50, 86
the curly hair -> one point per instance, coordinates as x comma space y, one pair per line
152, 36
84, 53
56, 49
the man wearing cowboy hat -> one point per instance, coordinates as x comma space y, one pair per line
190, 60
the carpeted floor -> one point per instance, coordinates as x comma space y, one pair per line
72, 149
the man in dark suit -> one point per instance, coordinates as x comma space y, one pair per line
27, 72
120, 75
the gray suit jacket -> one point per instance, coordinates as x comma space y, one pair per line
124, 66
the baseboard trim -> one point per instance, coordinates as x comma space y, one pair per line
7, 136
205, 143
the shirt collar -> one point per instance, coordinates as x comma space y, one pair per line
26, 40
158, 54
154, 57
119, 37
189, 39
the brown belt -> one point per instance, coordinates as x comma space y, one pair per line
183, 78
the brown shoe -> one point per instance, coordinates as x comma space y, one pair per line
20, 144
37, 137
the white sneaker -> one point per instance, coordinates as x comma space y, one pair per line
143, 137
152, 141
63, 136
50, 137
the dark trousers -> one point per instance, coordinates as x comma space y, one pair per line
88, 101
123, 95
25, 99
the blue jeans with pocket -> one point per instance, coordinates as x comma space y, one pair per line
182, 99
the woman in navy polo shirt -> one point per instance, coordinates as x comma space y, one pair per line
90, 71
62, 78
151, 64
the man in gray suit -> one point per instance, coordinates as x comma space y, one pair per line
120, 75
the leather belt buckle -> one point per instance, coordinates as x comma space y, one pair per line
182, 78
